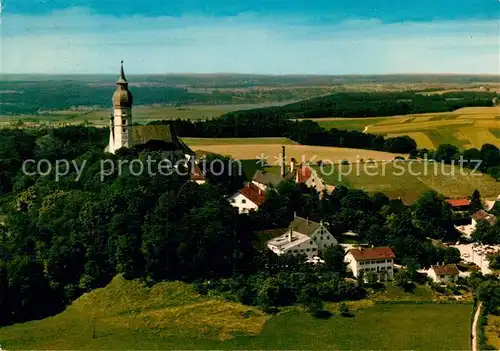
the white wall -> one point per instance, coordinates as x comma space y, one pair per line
441, 278
122, 129
243, 204
323, 238
374, 266
309, 248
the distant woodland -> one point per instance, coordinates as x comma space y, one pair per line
373, 104
32, 95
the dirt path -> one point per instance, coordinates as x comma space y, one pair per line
474, 327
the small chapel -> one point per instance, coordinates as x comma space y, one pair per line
124, 134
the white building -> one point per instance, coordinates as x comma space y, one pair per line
447, 273
123, 134
248, 198
303, 236
378, 260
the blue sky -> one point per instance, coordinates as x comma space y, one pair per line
274, 37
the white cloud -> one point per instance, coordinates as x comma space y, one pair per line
76, 41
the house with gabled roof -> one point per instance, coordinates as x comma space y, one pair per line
377, 260
459, 205
303, 236
482, 215
248, 198
447, 273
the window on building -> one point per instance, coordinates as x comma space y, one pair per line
124, 129
124, 121
308, 250
310, 242
243, 201
314, 249
295, 250
301, 250
232, 201
321, 238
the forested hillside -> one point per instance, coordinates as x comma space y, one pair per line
378, 104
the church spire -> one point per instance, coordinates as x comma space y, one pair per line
122, 79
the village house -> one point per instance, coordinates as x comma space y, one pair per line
447, 273
459, 205
378, 260
248, 198
303, 236
299, 173
482, 215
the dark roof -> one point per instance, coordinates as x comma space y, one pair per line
304, 226
458, 202
266, 178
164, 133
448, 269
482, 215
253, 193
372, 253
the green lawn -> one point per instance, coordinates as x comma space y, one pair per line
410, 185
381, 327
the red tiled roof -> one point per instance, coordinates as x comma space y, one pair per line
458, 202
253, 193
304, 173
372, 253
448, 269
482, 215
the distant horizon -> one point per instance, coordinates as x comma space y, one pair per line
252, 74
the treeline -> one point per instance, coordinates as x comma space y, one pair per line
265, 124
485, 160
32, 97
373, 104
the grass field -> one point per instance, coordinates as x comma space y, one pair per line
466, 128
128, 315
492, 331
249, 149
408, 182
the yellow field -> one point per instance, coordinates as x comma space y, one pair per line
466, 127
194, 142
301, 153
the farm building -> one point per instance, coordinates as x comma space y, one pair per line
459, 205
303, 236
447, 273
378, 260
248, 198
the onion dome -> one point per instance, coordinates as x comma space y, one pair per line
122, 96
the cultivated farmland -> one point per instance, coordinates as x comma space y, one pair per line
248, 149
466, 128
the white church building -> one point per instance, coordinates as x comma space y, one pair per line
124, 134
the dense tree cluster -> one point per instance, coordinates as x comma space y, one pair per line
486, 159
372, 104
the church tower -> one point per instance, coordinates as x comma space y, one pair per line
120, 129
